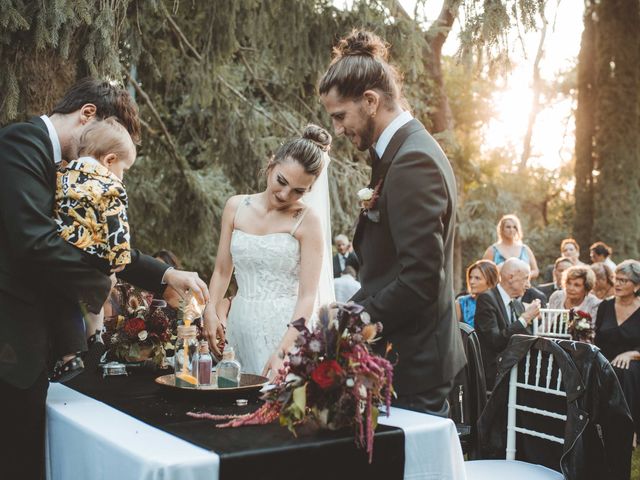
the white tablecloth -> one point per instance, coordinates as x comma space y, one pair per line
87, 439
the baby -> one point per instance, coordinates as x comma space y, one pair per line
91, 213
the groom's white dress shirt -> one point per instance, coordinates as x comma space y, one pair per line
387, 134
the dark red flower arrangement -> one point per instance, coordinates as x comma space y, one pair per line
331, 379
581, 326
142, 329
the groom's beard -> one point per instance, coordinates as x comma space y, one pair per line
367, 134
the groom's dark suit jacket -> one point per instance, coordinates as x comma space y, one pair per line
494, 328
406, 261
37, 268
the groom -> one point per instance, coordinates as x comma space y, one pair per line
404, 239
37, 266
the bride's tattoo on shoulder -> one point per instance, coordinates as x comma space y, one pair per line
297, 213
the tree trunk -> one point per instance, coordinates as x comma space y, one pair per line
616, 188
585, 132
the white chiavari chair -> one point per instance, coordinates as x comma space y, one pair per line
538, 375
552, 323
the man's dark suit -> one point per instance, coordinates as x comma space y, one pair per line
494, 327
406, 262
533, 293
37, 266
547, 289
350, 261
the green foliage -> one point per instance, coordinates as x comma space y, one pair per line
221, 84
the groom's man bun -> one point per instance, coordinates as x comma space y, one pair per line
359, 64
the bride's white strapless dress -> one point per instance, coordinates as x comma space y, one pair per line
267, 269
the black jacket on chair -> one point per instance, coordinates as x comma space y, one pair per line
36, 265
469, 394
405, 249
494, 329
598, 430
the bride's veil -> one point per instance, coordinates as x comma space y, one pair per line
318, 200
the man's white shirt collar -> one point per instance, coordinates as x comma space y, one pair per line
506, 299
388, 133
55, 141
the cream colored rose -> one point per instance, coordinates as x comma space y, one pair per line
142, 335
365, 194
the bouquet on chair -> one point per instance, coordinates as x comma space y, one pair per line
581, 326
332, 379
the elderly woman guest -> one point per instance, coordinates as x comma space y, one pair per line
618, 333
604, 280
481, 276
510, 245
577, 283
569, 248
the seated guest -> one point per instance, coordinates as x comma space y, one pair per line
481, 276
603, 287
499, 314
601, 252
560, 265
346, 285
570, 249
509, 245
618, 333
344, 256
577, 283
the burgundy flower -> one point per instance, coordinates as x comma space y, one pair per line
134, 326
327, 374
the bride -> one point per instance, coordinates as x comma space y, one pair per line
277, 242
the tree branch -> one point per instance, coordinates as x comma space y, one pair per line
182, 163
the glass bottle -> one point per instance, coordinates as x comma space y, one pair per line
228, 369
186, 348
205, 362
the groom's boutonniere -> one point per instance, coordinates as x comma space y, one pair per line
368, 198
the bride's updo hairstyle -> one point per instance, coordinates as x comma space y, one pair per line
359, 64
308, 150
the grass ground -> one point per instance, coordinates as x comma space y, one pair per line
635, 464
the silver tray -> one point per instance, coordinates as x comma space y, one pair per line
249, 383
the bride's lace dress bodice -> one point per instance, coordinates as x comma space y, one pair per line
267, 271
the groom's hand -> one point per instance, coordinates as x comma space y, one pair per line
183, 281
213, 330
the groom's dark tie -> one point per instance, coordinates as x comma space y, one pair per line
375, 167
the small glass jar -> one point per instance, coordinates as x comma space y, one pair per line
204, 364
186, 348
228, 369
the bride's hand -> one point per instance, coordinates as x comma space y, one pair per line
274, 364
213, 330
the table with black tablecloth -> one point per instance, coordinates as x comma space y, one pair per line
131, 428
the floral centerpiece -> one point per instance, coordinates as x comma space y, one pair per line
331, 378
142, 330
580, 326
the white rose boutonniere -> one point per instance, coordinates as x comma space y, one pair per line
368, 198
365, 194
